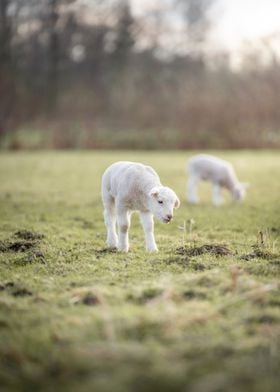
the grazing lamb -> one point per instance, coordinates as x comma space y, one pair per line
130, 186
219, 172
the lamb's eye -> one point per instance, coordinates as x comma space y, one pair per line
160, 202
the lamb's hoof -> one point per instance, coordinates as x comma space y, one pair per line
123, 249
112, 248
112, 245
152, 250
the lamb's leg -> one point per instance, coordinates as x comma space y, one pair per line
216, 194
123, 221
147, 221
110, 222
192, 189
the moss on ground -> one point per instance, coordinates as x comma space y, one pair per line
201, 315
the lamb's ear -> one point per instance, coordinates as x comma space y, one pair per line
245, 185
177, 203
154, 192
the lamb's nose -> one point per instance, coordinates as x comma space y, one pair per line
169, 217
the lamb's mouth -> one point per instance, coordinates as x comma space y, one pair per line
165, 220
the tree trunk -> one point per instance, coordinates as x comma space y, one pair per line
52, 79
7, 85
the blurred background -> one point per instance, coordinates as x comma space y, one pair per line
141, 74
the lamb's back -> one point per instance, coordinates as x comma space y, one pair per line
126, 179
209, 167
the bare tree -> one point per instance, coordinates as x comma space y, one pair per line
53, 49
196, 16
124, 37
7, 87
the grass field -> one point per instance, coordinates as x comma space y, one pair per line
76, 317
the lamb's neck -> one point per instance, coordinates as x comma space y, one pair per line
150, 184
146, 188
231, 185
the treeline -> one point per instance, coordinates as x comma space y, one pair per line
97, 76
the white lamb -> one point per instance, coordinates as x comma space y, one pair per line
219, 172
128, 187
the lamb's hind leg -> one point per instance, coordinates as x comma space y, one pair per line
123, 221
110, 222
192, 195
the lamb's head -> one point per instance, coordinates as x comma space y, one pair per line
239, 191
162, 201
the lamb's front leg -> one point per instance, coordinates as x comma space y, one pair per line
123, 221
147, 221
216, 194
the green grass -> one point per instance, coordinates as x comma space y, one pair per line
75, 317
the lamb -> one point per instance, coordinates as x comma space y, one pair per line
128, 187
219, 172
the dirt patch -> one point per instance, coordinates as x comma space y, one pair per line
260, 253
105, 251
263, 319
86, 296
15, 290
215, 249
17, 246
27, 241
184, 261
3, 246
199, 267
30, 257
21, 246
28, 235
145, 296
21, 292
275, 230
4, 286
90, 299
194, 295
